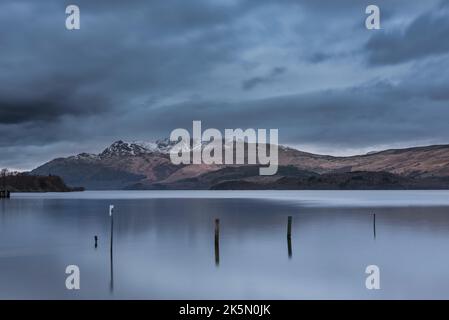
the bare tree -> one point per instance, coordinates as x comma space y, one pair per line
4, 173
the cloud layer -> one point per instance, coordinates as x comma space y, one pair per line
140, 70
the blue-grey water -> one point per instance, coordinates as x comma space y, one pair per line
165, 248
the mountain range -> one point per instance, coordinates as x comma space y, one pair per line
142, 165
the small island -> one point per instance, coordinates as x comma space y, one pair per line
13, 181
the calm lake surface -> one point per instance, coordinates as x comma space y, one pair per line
165, 248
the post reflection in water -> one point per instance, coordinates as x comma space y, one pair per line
289, 237
111, 285
217, 242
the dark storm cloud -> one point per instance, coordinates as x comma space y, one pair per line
48, 107
318, 57
255, 81
137, 70
427, 35
119, 52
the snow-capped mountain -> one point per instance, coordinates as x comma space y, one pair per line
136, 148
117, 166
141, 165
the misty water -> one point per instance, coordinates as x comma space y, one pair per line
165, 245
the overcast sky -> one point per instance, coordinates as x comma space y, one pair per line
136, 70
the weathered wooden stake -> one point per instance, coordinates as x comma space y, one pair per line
217, 242
289, 236
96, 241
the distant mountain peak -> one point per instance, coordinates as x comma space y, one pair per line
121, 148
163, 146
137, 148
84, 156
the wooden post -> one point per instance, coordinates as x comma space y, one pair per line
96, 241
217, 242
289, 236
111, 209
374, 225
